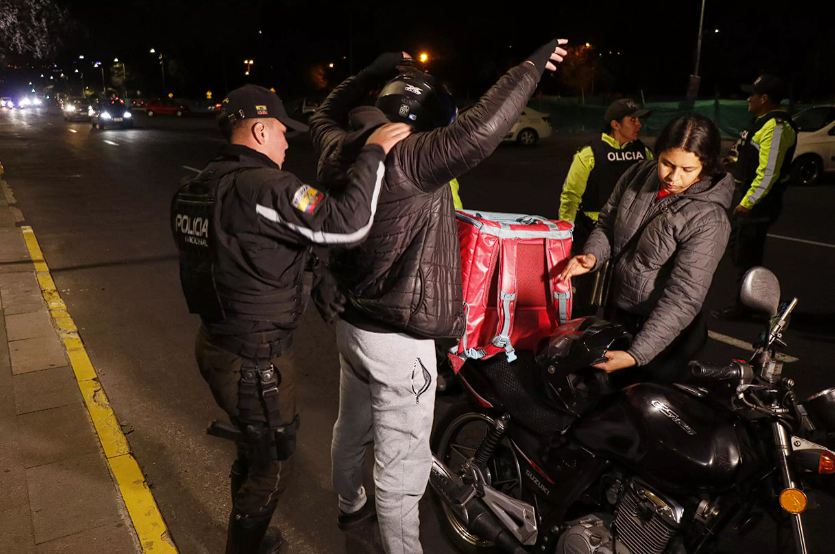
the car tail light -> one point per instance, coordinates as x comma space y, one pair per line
793, 501
826, 466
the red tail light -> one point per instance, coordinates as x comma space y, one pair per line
826, 466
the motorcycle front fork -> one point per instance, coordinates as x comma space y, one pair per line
781, 439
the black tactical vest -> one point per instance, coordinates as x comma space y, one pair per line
609, 164
221, 280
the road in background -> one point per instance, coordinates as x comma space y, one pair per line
99, 201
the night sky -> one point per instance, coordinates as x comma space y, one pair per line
470, 45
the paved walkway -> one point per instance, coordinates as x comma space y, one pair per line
68, 482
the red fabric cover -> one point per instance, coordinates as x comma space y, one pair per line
528, 266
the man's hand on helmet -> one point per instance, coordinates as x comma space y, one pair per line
549, 55
386, 65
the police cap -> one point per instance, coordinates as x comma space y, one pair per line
252, 101
767, 84
625, 107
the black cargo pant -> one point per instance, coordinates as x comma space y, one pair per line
258, 486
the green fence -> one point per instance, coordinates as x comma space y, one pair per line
569, 115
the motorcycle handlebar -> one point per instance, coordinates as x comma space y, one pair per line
713, 372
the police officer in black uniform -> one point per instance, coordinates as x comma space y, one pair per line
244, 229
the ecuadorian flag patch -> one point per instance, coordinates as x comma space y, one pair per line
307, 198
261, 110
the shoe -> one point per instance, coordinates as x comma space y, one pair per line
366, 514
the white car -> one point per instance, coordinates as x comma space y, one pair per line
530, 127
815, 152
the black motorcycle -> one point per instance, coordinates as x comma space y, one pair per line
547, 457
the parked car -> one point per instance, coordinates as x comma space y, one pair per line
309, 106
165, 106
77, 109
111, 112
6, 102
815, 152
530, 128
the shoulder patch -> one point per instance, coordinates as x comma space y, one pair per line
306, 198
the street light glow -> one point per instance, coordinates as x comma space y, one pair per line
716, 30
330, 65
588, 45
116, 60
80, 57
424, 57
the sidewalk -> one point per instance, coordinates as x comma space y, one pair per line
61, 489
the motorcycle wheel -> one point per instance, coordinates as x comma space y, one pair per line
456, 438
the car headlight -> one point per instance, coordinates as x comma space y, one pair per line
105, 115
128, 114
37, 101
69, 109
24, 102
91, 111
10, 104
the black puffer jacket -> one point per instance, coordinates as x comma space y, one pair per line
406, 276
668, 272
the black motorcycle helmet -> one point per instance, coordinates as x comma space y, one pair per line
565, 362
418, 99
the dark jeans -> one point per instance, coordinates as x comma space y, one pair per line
256, 488
670, 366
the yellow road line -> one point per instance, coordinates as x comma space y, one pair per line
143, 510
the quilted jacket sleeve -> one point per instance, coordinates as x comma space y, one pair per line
701, 246
431, 160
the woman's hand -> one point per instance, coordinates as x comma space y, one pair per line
578, 265
617, 359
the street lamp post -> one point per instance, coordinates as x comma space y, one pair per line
693, 88
162, 68
103, 86
81, 74
248, 64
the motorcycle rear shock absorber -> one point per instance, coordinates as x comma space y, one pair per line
491, 441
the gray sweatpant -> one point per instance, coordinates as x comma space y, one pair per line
386, 396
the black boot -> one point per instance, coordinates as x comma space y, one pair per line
248, 535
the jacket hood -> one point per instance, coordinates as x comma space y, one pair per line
362, 122
716, 189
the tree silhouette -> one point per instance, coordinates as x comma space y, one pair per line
33, 28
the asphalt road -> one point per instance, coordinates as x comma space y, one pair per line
98, 202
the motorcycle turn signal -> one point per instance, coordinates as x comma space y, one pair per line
826, 466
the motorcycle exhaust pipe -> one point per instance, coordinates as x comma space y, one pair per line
464, 502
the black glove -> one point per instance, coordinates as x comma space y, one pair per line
325, 293
542, 55
385, 66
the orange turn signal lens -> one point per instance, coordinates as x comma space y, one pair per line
826, 466
793, 501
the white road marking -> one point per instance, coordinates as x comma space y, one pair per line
191, 169
111, 142
747, 346
72, 130
813, 243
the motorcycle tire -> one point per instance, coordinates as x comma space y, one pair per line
457, 416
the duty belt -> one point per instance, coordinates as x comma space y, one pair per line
255, 346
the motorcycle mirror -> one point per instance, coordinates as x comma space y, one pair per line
760, 291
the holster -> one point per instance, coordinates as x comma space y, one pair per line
261, 443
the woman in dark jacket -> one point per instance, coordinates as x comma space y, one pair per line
678, 204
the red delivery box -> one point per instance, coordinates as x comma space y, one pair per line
510, 265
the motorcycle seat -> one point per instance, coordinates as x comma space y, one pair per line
517, 386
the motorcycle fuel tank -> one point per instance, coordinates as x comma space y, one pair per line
667, 436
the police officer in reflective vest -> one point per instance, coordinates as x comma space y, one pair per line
592, 177
244, 229
761, 168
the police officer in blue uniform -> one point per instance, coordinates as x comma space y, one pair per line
244, 229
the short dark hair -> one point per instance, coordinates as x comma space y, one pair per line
227, 127
698, 135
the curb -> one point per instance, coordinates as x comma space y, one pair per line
144, 513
